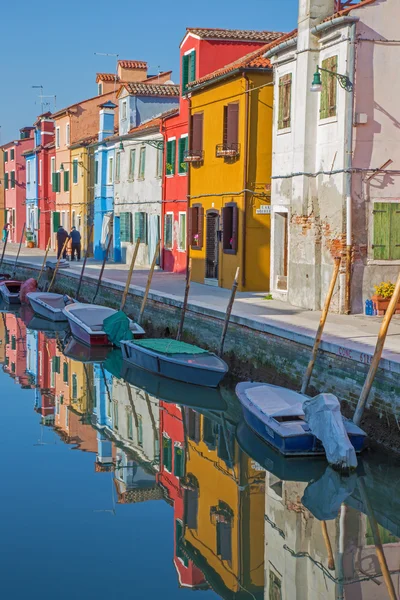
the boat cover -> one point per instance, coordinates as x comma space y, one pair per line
274, 401
326, 422
324, 497
166, 346
30, 285
117, 328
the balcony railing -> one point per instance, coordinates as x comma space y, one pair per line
227, 150
193, 156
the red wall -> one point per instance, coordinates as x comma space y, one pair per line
47, 198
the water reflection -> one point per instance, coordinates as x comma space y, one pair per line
246, 523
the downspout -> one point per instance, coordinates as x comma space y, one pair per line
245, 175
163, 193
349, 176
189, 112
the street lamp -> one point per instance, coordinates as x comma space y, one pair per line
343, 80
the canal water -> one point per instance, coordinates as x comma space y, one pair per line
117, 485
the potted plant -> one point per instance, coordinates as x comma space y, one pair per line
381, 298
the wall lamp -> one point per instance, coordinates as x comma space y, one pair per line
343, 80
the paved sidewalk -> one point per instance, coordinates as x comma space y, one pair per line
351, 336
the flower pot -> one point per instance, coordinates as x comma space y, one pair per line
31, 244
381, 305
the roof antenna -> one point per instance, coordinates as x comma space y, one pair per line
116, 66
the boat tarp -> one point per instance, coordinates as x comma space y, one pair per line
166, 346
117, 328
275, 401
324, 497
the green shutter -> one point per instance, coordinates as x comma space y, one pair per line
285, 100
167, 453
178, 461
5, 156
192, 69
56, 221
12, 154
55, 361
185, 72
55, 181
141, 227
13, 342
12, 179
75, 171
142, 163
74, 386
381, 245
65, 372
66, 181
395, 231
171, 157
182, 147
132, 160
329, 88
96, 171
6, 181
125, 226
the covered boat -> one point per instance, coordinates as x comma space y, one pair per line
87, 323
9, 289
48, 305
276, 414
175, 360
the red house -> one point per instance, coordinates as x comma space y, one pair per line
46, 165
15, 181
16, 351
45, 378
202, 51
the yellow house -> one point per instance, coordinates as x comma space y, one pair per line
2, 195
230, 157
82, 190
223, 529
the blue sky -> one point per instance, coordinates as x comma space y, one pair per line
54, 43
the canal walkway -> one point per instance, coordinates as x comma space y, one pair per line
353, 337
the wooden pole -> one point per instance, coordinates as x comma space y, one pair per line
58, 264
85, 260
4, 249
377, 354
102, 267
328, 545
185, 299
377, 539
129, 279
150, 277
228, 312
322, 321
19, 250
44, 260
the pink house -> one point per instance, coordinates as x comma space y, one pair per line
15, 181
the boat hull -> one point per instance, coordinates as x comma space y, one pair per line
90, 339
47, 313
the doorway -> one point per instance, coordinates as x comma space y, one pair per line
154, 236
281, 235
212, 248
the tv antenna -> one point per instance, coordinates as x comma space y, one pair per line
116, 56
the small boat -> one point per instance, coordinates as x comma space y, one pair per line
276, 414
80, 352
48, 305
9, 289
87, 323
175, 360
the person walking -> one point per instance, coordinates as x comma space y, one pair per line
62, 235
76, 243
5, 231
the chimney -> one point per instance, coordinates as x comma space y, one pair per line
131, 71
312, 12
106, 128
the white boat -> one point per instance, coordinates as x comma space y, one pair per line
87, 323
48, 305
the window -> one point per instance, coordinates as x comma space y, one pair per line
96, 171
142, 162
75, 171
167, 453
5, 156
193, 424
231, 127
118, 166
129, 426
13, 342
224, 540
6, 181
171, 157
28, 171
191, 505
125, 221
52, 168
196, 220
386, 239
179, 470
57, 137
74, 386
329, 89
140, 431
100, 88
56, 180
124, 110
209, 433
73, 219
196, 142
141, 227
67, 134
12, 179
66, 181
65, 372
182, 152
55, 364
12, 154
168, 224
182, 231
132, 160
230, 228
188, 69
40, 171
160, 155
110, 175
285, 101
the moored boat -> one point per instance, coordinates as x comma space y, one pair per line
48, 305
175, 360
87, 323
9, 289
276, 414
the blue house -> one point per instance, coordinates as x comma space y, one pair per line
31, 190
103, 382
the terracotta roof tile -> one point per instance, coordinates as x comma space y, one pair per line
133, 64
106, 77
152, 89
347, 9
234, 34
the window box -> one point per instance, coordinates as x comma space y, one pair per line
193, 156
227, 150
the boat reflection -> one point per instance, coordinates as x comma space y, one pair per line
247, 522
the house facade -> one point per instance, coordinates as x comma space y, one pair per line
202, 51
335, 187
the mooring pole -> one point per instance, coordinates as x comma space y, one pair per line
19, 250
185, 299
102, 267
322, 321
4, 248
84, 260
129, 278
228, 312
44, 260
328, 546
377, 354
58, 264
150, 277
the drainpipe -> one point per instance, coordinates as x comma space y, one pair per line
189, 113
163, 192
245, 168
349, 164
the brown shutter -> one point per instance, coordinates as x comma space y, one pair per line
235, 219
225, 131
200, 223
226, 227
197, 133
233, 124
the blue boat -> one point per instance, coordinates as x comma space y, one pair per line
276, 414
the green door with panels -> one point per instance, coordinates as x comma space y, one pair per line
386, 244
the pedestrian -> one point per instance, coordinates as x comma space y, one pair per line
5, 231
62, 235
76, 243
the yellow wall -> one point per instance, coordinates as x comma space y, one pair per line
79, 192
220, 176
2, 192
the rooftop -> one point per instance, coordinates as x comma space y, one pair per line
106, 77
151, 89
133, 64
344, 8
233, 34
